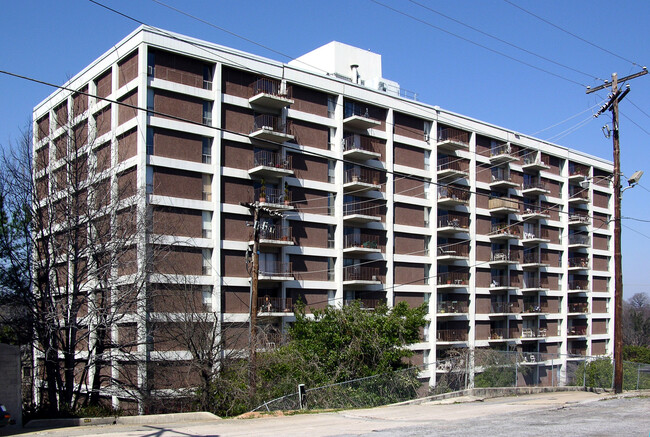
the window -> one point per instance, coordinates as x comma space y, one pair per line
331, 200
149, 180
331, 240
331, 171
206, 151
151, 64
207, 113
331, 265
149, 141
207, 187
207, 224
207, 261
206, 292
427, 159
207, 77
331, 106
151, 96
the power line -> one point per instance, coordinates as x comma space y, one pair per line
502, 41
570, 33
512, 58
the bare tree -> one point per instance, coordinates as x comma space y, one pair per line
636, 320
83, 271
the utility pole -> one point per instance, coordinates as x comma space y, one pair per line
612, 105
257, 210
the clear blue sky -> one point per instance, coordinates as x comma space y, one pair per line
53, 40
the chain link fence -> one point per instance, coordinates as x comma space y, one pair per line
463, 369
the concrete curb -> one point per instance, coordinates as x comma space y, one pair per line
200, 416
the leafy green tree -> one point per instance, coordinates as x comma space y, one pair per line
636, 354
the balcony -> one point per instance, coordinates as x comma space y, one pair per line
498, 334
366, 304
361, 244
534, 284
361, 212
452, 280
504, 308
452, 223
452, 307
533, 308
361, 275
535, 260
503, 257
269, 305
452, 139
579, 241
579, 285
271, 128
532, 211
501, 179
530, 333
578, 307
534, 187
267, 93
453, 252
275, 236
503, 205
357, 117
359, 147
451, 196
577, 331
501, 282
539, 236
579, 219
273, 198
578, 194
451, 335
275, 271
579, 263
501, 153
578, 172
451, 166
361, 179
503, 231
269, 164
577, 351
535, 161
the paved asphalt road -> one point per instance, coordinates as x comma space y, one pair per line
547, 414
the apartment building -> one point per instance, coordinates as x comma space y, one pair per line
381, 199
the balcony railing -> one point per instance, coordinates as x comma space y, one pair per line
277, 233
504, 255
276, 268
536, 258
453, 221
453, 163
579, 262
541, 233
268, 304
268, 86
579, 284
505, 229
453, 193
581, 239
498, 334
534, 184
451, 335
500, 149
453, 278
501, 175
577, 330
454, 249
578, 170
534, 307
578, 307
363, 175
272, 195
536, 159
358, 142
504, 307
582, 218
364, 241
271, 123
453, 135
534, 283
360, 273
268, 158
502, 202
578, 193
365, 303
497, 281
453, 307
577, 351
530, 208
361, 208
